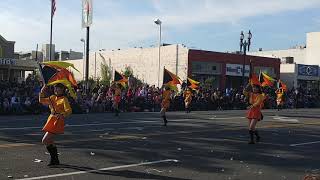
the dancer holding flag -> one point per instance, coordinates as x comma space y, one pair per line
170, 82
191, 85
119, 82
58, 76
253, 92
280, 94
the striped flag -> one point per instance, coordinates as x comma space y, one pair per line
53, 7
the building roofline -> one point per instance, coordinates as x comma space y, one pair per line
2, 38
234, 54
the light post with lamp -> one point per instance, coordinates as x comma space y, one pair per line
244, 45
158, 22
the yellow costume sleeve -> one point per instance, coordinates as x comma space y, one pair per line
67, 107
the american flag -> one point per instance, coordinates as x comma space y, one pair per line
53, 7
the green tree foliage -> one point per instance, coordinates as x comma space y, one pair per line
128, 72
106, 74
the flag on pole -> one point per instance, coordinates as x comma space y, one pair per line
119, 78
54, 75
194, 85
281, 85
53, 7
171, 80
254, 80
266, 80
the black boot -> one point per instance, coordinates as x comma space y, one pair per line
52, 149
165, 121
257, 136
251, 137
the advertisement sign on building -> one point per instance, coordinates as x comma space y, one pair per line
308, 70
5, 61
236, 70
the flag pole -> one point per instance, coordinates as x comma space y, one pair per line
50, 46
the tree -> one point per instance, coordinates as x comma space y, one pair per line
105, 74
128, 72
208, 83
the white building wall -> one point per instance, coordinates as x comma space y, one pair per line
288, 74
313, 48
299, 54
143, 61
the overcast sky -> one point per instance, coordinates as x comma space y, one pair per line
204, 24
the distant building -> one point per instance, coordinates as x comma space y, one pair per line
46, 52
12, 68
70, 55
224, 68
30, 55
6, 48
300, 64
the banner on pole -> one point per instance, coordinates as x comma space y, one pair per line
86, 13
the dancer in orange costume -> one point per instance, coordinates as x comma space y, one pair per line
117, 98
280, 98
165, 104
254, 114
187, 99
60, 109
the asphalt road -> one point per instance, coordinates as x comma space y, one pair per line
200, 145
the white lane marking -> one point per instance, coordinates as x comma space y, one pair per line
314, 142
103, 169
80, 125
284, 119
98, 124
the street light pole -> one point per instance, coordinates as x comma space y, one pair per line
244, 45
84, 55
158, 22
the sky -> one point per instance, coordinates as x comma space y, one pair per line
202, 24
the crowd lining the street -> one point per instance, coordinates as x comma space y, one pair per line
22, 98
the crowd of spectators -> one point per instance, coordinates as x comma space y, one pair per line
22, 98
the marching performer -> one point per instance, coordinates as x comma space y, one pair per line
187, 99
165, 104
60, 109
280, 98
254, 114
117, 98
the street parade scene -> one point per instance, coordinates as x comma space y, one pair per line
160, 90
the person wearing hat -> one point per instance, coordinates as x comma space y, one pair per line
60, 109
254, 114
165, 104
187, 94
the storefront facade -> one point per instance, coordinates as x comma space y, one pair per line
228, 71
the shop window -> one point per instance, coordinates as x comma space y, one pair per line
214, 68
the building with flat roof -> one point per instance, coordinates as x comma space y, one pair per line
224, 68
300, 64
13, 69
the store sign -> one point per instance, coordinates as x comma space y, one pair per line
308, 70
6, 61
236, 70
